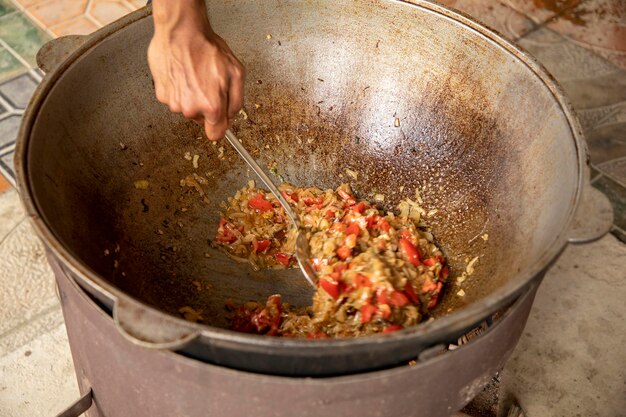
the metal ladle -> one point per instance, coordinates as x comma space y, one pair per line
303, 251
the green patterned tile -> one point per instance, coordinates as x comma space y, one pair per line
22, 35
9, 65
6, 7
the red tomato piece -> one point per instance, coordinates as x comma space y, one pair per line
283, 258
383, 225
410, 251
381, 296
338, 227
359, 208
344, 252
429, 262
329, 214
331, 286
367, 311
258, 202
340, 267
398, 299
293, 196
353, 229
224, 232
445, 271
433, 301
261, 245
362, 281
392, 328
410, 293
406, 234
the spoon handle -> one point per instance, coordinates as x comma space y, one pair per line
262, 175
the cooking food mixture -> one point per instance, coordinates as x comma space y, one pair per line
378, 272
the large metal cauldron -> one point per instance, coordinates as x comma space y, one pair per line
483, 132
120, 379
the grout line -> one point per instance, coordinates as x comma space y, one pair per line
7, 148
33, 17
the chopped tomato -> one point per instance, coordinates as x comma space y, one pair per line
309, 201
331, 286
383, 225
293, 196
344, 252
367, 311
224, 232
362, 281
406, 234
338, 227
378, 223
382, 245
429, 262
258, 202
410, 251
445, 271
435, 297
340, 267
384, 310
392, 328
440, 259
359, 208
268, 320
353, 229
398, 299
261, 245
283, 258
313, 207
329, 214
335, 275
410, 293
381, 296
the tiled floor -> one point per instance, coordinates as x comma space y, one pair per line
581, 42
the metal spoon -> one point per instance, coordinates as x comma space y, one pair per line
303, 251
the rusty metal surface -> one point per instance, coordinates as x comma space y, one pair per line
485, 134
129, 380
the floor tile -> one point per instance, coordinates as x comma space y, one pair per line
107, 11
539, 11
9, 65
78, 26
137, 4
53, 12
565, 60
4, 184
23, 36
494, 14
27, 282
617, 194
8, 130
6, 7
11, 212
615, 168
18, 90
6, 166
565, 364
38, 378
26, 3
600, 26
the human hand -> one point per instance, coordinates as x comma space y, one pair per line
195, 72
